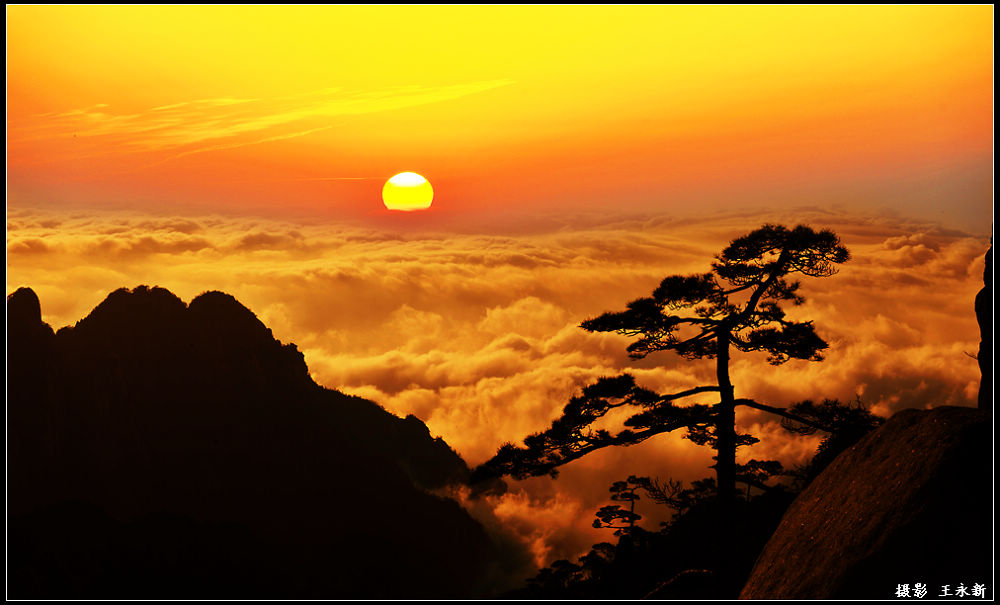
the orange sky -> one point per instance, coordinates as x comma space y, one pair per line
578, 155
310, 109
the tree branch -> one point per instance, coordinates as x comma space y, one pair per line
777, 271
630, 438
750, 403
687, 393
694, 339
746, 286
704, 321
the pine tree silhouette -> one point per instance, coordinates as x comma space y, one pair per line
736, 306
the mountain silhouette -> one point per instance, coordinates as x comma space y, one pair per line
159, 449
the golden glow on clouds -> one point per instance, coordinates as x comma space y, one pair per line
476, 333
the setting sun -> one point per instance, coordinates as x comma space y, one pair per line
407, 191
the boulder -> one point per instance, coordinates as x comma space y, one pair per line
909, 504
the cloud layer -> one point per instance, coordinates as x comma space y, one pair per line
475, 331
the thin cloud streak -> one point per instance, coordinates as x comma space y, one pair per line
279, 137
192, 123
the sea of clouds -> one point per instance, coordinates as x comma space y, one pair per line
475, 330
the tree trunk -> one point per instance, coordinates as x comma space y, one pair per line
725, 464
725, 423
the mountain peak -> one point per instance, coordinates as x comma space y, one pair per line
126, 309
23, 307
223, 316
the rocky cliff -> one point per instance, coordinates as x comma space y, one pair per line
909, 504
984, 316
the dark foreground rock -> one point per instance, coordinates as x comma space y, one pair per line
984, 315
159, 449
909, 504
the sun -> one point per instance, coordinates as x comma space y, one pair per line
407, 191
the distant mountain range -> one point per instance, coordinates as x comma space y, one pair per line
159, 449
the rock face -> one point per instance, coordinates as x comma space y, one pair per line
910, 503
984, 315
159, 449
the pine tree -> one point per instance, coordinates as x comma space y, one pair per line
735, 306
